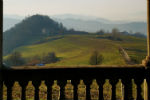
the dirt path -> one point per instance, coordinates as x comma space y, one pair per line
126, 56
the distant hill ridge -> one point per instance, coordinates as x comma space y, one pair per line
38, 27
94, 25
85, 23
31, 29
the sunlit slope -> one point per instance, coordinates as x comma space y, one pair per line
135, 47
76, 50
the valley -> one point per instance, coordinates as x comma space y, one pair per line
77, 49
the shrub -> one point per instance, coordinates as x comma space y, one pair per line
50, 58
15, 59
96, 58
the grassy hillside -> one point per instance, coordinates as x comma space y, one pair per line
135, 47
77, 49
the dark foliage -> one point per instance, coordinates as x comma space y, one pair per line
15, 59
50, 58
96, 58
33, 29
100, 32
30, 29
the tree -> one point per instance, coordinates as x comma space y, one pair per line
50, 58
116, 34
101, 31
139, 34
15, 59
96, 58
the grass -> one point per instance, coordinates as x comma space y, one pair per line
77, 49
135, 47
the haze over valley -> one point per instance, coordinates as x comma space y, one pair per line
85, 23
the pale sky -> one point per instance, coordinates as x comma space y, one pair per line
131, 10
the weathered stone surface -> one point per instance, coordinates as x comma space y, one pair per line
144, 88
30, 91
55, 91
43, 91
119, 90
16, 91
81, 91
69, 91
94, 90
107, 90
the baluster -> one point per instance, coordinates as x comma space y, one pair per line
94, 90
30, 91
107, 90
134, 90
69, 91
144, 88
43, 91
16, 91
81, 91
119, 90
55, 91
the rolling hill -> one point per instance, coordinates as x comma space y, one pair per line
77, 49
30, 29
38, 35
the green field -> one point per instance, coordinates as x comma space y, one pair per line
77, 49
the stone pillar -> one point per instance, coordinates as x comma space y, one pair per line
146, 62
1, 40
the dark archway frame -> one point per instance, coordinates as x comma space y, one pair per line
145, 62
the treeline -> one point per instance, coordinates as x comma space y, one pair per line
116, 35
16, 59
116, 31
31, 29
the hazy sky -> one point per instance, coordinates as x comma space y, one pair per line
131, 10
